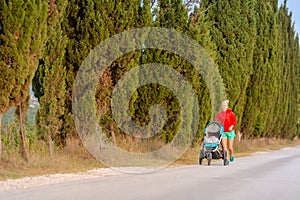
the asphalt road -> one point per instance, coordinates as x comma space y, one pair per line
268, 176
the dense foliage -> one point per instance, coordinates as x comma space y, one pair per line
21, 45
252, 42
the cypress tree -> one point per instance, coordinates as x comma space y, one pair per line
297, 49
49, 80
291, 129
296, 86
259, 112
84, 25
171, 15
21, 46
274, 78
87, 24
287, 102
199, 26
297, 65
234, 32
140, 16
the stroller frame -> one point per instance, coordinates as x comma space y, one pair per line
210, 149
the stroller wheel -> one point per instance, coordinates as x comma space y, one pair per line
200, 161
209, 157
201, 156
209, 161
225, 157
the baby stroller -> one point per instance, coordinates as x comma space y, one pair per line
212, 139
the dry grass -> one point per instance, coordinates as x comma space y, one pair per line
74, 158
243, 148
246, 148
70, 160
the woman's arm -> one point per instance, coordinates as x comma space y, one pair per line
218, 118
233, 121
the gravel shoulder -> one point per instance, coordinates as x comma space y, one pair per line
34, 181
27, 182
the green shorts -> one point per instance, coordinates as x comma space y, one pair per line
229, 135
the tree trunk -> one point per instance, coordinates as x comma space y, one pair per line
0, 137
113, 133
50, 145
22, 134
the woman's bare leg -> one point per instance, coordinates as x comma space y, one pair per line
230, 147
224, 144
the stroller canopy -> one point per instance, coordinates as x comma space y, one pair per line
214, 129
